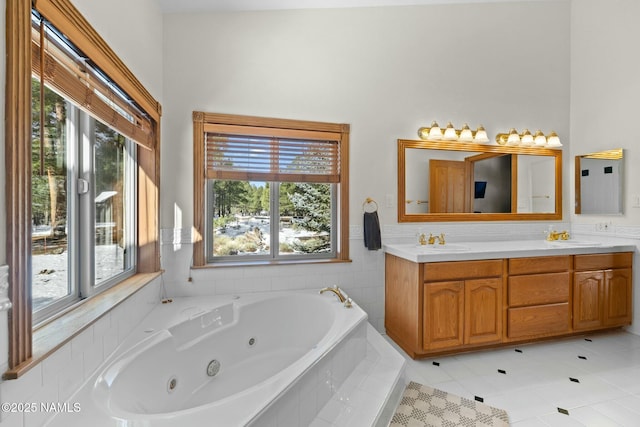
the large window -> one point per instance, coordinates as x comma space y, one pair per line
272, 190
82, 174
82, 204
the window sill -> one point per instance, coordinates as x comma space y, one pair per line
265, 263
54, 334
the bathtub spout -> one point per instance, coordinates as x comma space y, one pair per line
336, 290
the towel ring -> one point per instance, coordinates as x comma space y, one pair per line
369, 202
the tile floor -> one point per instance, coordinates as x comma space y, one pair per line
592, 380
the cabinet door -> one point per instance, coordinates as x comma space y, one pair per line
588, 292
482, 308
443, 315
617, 300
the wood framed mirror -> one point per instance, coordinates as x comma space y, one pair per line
599, 178
456, 181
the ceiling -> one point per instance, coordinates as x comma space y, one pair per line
171, 6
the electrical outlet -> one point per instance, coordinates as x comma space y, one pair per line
604, 227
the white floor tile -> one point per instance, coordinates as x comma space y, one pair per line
537, 380
618, 413
589, 417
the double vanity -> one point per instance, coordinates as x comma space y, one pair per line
462, 296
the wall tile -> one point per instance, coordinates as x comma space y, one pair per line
70, 379
81, 343
12, 420
46, 394
54, 364
92, 358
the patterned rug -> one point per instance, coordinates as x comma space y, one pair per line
423, 406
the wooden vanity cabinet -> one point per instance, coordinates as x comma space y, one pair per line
440, 306
462, 312
538, 297
462, 303
602, 287
446, 307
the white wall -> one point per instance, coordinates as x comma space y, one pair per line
387, 72
133, 29
605, 88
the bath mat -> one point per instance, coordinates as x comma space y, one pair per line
425, 406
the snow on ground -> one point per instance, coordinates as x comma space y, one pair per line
50, 272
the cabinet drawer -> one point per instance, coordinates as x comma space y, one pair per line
604, 261
542, 264
460, 270
538, 320
535, 289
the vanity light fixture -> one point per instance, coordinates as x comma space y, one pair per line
450, 133
538, 139
435, 133
553, 140
481, 135
465, 134
527, 138
513, 138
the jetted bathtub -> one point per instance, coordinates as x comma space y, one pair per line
229, 361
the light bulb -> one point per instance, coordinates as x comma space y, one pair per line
435, 132
514, 138
539, 139
553, 140
450, 133
465, 134
527, 138
481, 135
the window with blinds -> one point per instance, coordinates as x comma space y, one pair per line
274, 189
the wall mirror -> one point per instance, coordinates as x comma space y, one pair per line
456, 181
599, 183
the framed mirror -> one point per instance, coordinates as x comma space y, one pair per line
599, 183
457, 181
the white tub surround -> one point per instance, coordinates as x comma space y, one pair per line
463, 251
278, 355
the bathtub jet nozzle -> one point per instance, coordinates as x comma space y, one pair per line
213, 368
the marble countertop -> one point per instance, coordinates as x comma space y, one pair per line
464, 251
